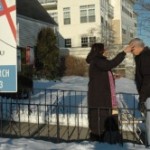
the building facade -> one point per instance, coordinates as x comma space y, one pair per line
124, 21
81, 23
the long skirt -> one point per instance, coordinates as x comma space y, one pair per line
97, 118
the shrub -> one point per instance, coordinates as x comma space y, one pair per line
75, 66
46, 55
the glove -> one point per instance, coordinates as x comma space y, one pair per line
141, 107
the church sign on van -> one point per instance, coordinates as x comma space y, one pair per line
8, 51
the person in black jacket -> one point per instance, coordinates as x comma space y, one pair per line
142, 71
99, 90
142, 79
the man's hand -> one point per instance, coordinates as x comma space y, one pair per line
141, 107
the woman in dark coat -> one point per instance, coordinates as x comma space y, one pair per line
99, 91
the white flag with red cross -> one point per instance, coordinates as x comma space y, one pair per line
8, 51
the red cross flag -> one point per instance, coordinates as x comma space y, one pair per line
8, 52
6, 10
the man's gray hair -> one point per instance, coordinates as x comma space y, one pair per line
138, 41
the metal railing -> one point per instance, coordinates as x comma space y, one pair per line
62, 115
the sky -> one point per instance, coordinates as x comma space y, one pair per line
73, 83
142, 8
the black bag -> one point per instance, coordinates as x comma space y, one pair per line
112, 134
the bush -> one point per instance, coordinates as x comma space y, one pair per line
46, 55
75, 66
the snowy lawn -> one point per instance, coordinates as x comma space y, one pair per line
31, 144
80, 84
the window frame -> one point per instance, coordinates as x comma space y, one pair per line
85, 15
68, 43
66, 15
87, 41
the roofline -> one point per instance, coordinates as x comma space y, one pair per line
31, 19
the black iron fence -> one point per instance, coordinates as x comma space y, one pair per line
62, 115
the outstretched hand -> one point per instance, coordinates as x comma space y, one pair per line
128, 48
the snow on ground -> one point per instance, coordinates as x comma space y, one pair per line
31, 144
72, 83
125, 85
66, 83
80, 83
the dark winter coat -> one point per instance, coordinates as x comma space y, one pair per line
99, 94
142, 74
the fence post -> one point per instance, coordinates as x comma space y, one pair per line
1, 117
45, 106
19, 122
29, 119
57, 117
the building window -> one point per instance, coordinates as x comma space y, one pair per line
67, 19
106, 24
87, 13
131, 35
84, 41
67, 42
135, 24
54, 15
123, 31
91, 16
131, 15
102, 20
127, 12
87, 41
92, 40
83, 14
